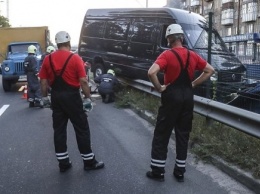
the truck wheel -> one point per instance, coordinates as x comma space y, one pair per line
98, 70
6, 85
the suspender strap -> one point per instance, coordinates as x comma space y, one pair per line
63, 68
180, 61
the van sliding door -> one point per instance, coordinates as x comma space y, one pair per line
91, 39
142, 45
115, 43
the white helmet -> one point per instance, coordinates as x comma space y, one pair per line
32, 49
173, 29
62, 37
111, 71
50, 49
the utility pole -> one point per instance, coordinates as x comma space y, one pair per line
146, 3
238, 18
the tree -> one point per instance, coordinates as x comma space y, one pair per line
4, 22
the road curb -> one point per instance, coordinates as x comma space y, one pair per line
237, 174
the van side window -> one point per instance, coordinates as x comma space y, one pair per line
94, 28
144, 32
116, 30
163, 39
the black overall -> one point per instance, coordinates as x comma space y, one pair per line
67, 104
30, 68
176, 111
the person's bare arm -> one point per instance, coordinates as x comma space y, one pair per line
84, 86
152, 74
207, 72
44, 87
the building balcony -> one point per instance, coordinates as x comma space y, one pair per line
227, 17
227, 21
195, 3
249, 17
228, 5
227, 1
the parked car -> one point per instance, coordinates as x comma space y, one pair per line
248, 99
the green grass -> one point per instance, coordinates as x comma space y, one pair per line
206, 139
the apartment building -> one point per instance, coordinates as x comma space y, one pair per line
237, 21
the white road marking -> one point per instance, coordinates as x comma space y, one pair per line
2, 110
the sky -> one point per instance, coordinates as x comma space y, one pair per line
60, 15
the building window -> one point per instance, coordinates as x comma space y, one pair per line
241, 49
229, 32
242, 30
250, 28
249, 49
234, 48
235, 31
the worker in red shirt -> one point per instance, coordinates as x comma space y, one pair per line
65, 73
176, 110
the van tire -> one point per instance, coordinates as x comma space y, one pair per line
98, 70
6, 85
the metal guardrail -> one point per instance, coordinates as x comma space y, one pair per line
242, 120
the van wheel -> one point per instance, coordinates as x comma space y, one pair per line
6, 85
99, 70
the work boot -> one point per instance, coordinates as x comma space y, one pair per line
178, 175
38, 104
106, 100
65, 166
31, 104
156, 177
94, 166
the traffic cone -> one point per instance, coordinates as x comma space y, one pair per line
25, 92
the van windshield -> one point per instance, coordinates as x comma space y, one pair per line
198, 37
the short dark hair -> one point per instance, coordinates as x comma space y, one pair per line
174, 37
64, 44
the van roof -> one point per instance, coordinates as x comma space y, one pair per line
181, 16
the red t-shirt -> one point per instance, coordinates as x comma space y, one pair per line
169, 64
73, 71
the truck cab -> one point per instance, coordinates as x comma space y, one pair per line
13, 65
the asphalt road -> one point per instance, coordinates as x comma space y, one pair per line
120, 138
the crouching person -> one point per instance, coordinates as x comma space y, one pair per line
108, 85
